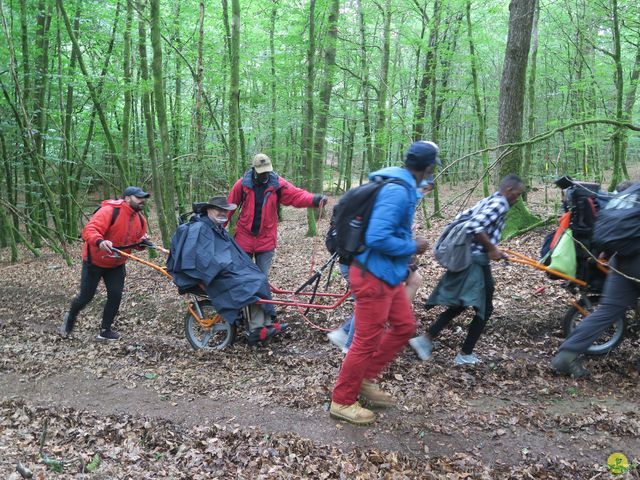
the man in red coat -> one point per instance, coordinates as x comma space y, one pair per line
115, 224
259, 191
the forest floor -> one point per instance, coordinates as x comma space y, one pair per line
148, 406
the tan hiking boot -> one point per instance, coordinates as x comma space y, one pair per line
353, 413
374, 396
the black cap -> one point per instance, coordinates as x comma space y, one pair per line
422, 154
136, 192
219, 202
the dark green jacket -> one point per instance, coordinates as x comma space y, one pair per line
463, 289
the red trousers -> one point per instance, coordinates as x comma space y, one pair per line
374, 345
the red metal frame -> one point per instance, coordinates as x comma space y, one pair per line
340, 297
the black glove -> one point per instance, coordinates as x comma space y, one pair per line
320, 200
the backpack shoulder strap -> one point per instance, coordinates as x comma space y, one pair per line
114, 215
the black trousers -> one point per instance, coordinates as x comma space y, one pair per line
89, 280
619, 294
477, 324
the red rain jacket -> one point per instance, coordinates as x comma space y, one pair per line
289, 195
129, 227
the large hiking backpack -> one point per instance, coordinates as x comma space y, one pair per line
569, 248
617, 229
452, 250
350, 219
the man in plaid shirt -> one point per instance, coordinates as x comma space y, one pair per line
474, 286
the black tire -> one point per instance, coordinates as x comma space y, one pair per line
609, 340
219, 336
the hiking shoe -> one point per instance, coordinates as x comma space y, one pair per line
353, 413
338, 337
108, 335
260, 335
67, 325
374, 396
462, 359
280, 327
568, 363
422, 346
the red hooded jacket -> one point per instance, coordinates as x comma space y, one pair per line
267, 236
129, 227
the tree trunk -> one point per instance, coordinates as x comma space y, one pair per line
619, 82
95, 97
512, 83
531, 94
307, 126
176, 119
149, 130
161, 113
272, 63
480, 113
629, 103
428, 75
379, 150
68, 206
325, 97
234, 90
364, 72
199, 134
126, 112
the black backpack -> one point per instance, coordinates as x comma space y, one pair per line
350, 219
617, 227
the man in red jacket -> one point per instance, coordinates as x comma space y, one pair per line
259, 191
115, 224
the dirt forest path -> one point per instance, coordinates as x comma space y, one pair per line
151, 407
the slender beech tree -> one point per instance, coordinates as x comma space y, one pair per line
531, 97
477, 103
168, 193
364, 73
324, 100
618, 160
234, 90
126, 110
307, 123
380, 140
630, 101
149, 128
273, 81
197, 112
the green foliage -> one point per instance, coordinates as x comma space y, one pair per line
574, 81
94, 464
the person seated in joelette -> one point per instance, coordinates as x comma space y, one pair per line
203, 253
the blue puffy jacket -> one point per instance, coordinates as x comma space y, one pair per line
388, 240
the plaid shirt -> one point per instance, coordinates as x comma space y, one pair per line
487, 216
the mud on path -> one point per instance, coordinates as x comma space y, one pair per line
151, 407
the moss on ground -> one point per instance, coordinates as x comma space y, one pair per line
519, 218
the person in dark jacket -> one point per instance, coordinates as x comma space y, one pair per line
621, 292
116, 223
203, 253
377, 278
473, 286
259, 192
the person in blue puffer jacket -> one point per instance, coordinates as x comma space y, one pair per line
377, 280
